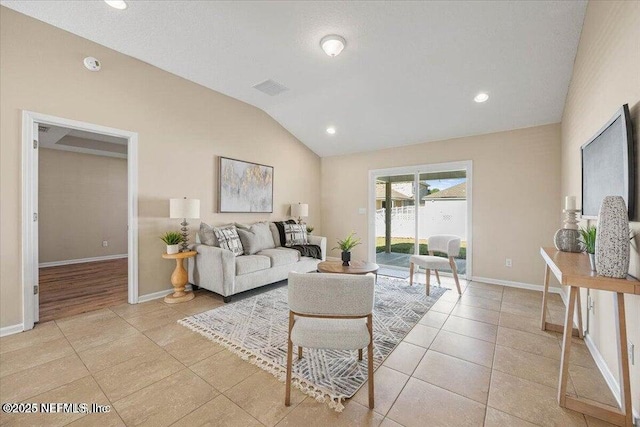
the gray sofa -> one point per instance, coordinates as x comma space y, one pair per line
219, 271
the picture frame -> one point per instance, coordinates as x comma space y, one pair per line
244, 187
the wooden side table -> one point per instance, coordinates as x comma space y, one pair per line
179, 278
573, 270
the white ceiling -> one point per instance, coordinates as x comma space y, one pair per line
408, 74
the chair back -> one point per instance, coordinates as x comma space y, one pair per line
446, 243
328, 294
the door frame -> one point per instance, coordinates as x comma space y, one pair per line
425, 168
30, 205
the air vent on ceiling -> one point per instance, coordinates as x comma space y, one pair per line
43, 129
271, 88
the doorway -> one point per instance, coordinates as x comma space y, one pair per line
79, 217
408, 205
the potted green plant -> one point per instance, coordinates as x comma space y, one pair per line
310, 229
588, 239
346, 245
172, 239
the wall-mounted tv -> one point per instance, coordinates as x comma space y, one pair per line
608, 165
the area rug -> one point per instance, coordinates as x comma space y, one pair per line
255, 328
393, 272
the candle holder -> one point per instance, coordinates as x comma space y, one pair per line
567, 239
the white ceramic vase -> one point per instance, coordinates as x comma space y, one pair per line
173, 249
612, 238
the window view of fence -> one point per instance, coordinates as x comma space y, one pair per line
442, 209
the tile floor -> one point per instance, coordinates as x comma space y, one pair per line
479, 359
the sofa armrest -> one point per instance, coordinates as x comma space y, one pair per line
213, 268
320, 241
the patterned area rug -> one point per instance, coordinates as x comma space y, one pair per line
256, 329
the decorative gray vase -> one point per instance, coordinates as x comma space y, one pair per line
612, 238
567, 240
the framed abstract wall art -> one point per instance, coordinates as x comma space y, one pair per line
245, 186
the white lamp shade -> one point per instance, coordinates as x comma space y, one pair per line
300, 210
184, 208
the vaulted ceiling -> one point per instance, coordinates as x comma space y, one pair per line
408, 74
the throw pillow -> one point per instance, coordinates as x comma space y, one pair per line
256, 238
275, 234
207, 235
228, 238
295, 234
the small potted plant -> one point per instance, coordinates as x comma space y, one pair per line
346, 245
172, 240
310, 229
588, 239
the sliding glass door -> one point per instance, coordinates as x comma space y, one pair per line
395, 220
411, 204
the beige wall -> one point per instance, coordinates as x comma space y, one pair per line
82, 201
606, 75
182, 129
516, 195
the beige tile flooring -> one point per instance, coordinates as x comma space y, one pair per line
479, 359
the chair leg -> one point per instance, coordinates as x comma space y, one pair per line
437, 277
454, 270
428, 280
287, 396
299, 352
370, 361
410, 274
360, 354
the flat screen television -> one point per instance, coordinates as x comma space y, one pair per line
608, 165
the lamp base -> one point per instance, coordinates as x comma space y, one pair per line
184, 246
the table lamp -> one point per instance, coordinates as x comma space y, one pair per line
300, 210
184, 208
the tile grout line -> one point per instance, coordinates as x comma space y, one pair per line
92, 377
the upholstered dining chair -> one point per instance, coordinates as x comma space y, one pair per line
446, 243
330, 311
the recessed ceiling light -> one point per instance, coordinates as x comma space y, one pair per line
117, 4
331, 130
481, 97
333, 44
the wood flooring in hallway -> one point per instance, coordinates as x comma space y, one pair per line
67, 290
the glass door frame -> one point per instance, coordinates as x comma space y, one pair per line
416, 171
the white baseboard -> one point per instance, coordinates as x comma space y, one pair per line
611, 381
511, 284
159, 294
81, 260
10, 330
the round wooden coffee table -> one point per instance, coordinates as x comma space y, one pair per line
354, 267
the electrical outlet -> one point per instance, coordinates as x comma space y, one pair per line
105, 243
591, 305
362, 211
631, 350
508, 263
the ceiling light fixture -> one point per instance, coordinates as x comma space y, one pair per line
331, 130
117, 4
333, 44
481, 97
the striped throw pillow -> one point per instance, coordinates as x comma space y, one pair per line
295, 234
229, 239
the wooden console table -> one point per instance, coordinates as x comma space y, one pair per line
573, 270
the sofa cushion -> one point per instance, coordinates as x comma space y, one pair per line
255, 237
207, 235
281, 256
275, 234
295, 234
246, 264
228, 238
